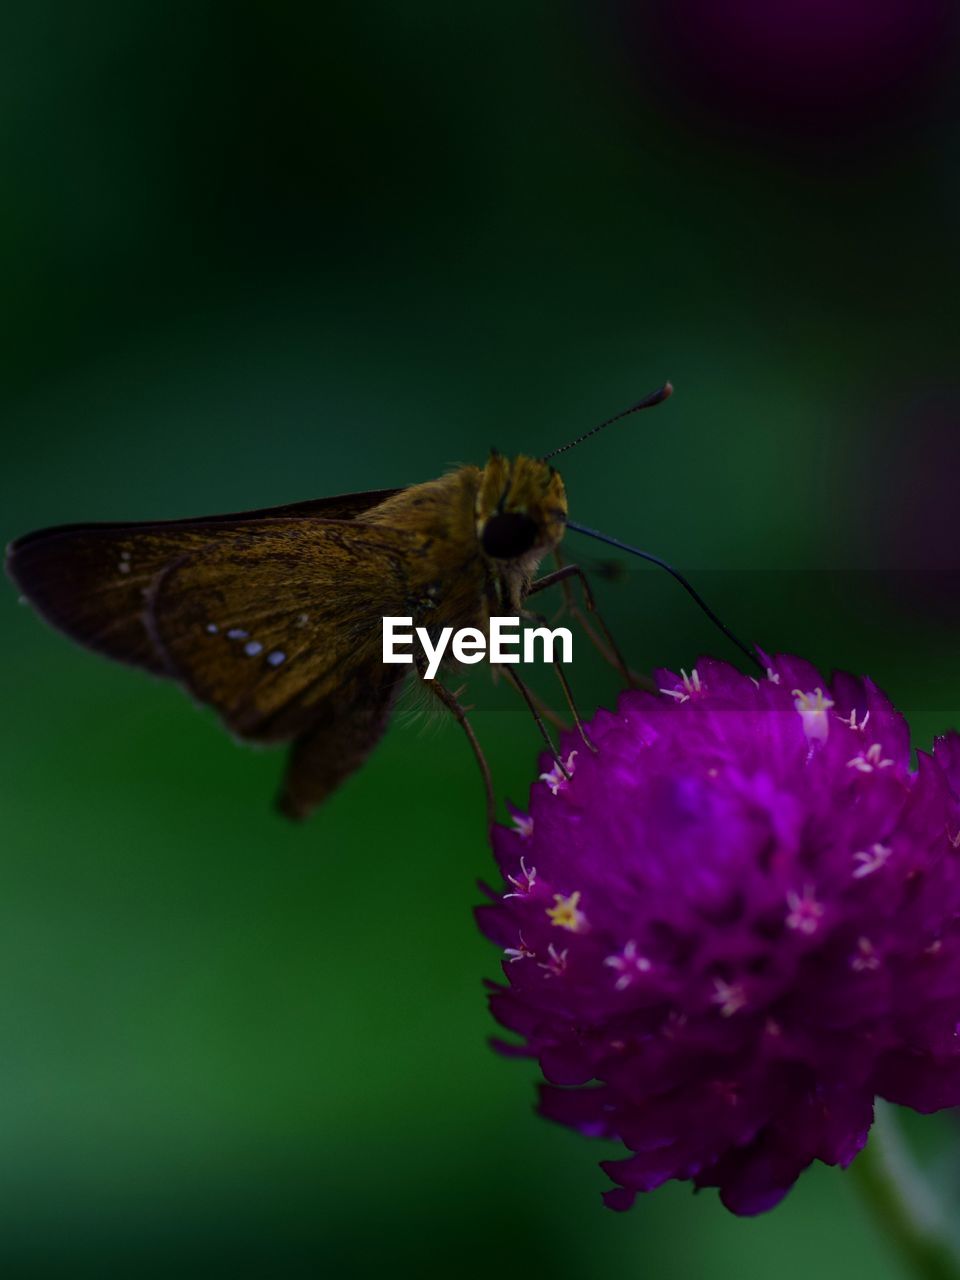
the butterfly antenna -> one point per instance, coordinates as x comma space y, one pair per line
655, 397
674, 573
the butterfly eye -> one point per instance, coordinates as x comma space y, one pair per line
508, 535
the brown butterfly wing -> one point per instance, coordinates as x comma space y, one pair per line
279, 628
90, 581
279, 624
348, 725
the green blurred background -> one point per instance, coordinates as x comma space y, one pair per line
268, 251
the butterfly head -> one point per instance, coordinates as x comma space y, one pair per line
521, 507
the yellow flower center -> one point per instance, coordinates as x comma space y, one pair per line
567, 914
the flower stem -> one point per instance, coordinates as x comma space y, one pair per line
903, 1205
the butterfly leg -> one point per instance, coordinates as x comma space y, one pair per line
568, 694
564, 685
459, 713
546, 711
606, 647
531, 702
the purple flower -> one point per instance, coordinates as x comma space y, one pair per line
733, 926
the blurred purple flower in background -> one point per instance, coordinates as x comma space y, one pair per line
820, 68
735, 925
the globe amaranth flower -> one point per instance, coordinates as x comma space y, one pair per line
733, 925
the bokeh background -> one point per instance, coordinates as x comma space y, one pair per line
258, 252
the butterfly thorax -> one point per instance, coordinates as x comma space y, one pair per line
477, 537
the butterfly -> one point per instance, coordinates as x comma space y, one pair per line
273, 617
